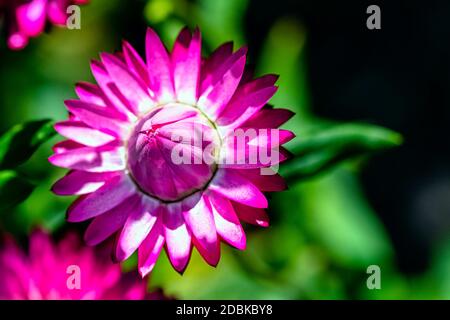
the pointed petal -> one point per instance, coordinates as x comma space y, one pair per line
178, 239
222, 88
271, 138
251, 215
201, 223
233, 186
81, 182
248, 100
132, 88
104, 225
137, 227
150, 249
226, 221
247, 148
98, 117
266, 182
159, 68
102, 159
171, 114
90, 93
81, 133
186, 59
135, 62
239, 111
104, 199
268, 118
213, 63
115, 98
66, 145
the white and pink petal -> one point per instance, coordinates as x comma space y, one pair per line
112, 194
81, 182
233, 186
227, 222
200, 220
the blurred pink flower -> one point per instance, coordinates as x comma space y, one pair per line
44, 272
122, 136
27, 18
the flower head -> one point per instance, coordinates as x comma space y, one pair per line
173, 152
28, 18
46, 271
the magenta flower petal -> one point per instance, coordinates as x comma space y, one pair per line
113, 193
251, 215
213, 64
201, 223
90, 93
65, 146
266, 183
98, 117
57, 12
263, 138
81, 182
186, 60
227, 222
248, 100
268, 118
171, 114
106, 224
43, 272
260, 149
135, 62
80, 132
138, 225
159, 68
216, 96
113, 97
102, 159
132, 88
31, 17
167, 152
178, 239
233, 186
150, 249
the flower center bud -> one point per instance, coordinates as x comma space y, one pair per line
172, 152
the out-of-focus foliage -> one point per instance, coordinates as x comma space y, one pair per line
13, 189
18, 144
328, 146
323, 233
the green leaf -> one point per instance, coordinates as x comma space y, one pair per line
326, 147
19, 143
13, 189
338, 216
221, 21
157, 11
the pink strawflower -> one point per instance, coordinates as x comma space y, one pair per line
47, 272
27, 18
122, 136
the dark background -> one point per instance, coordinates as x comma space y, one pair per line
398, 77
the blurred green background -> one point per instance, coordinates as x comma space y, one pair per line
325, 231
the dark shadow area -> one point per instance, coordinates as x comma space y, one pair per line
398, 77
